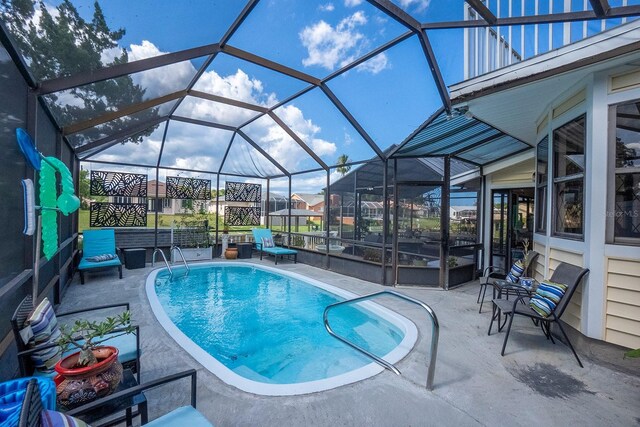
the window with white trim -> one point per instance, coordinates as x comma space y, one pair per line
625, 212
568, 178
542, 168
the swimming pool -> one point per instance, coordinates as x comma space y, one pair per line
260, 329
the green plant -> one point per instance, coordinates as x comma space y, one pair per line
632, 353
86, 335
297, 241
370, 254
452, 262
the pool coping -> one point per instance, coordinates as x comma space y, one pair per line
230, 377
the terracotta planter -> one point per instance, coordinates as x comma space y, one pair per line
231, 253
87, 383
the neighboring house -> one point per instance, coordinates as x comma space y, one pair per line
311, 202
466, 213
165, 205
223, 204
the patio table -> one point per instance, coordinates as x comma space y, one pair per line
505, 287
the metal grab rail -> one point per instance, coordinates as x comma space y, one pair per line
434, 336
181, 255
153, 260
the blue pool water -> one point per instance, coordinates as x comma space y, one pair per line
267, 327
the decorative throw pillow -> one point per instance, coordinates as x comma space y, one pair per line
104, 257
547, 296
267, 242
516, 271
58, 419
44, 325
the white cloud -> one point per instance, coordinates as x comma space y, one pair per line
376, 64
416, 5
330, 47
329, 7
352, 3
155, 80
197, 147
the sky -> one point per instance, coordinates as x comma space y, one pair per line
390, 95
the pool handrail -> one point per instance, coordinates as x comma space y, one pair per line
434, 335
181, 255
153, 260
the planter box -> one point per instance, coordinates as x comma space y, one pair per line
192, 254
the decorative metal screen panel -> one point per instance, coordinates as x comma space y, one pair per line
105, 183
242, 192
118, 215
238, 216
188, 188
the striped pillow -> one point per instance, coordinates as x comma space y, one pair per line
57, 419
101, 258
516, 271
547, 297
44, 325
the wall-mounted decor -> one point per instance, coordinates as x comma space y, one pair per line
242, 192
118, 215
188, 188
239, 216
105, 183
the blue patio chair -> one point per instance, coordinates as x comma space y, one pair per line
98, 252
260, 235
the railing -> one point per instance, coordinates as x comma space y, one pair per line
181, 256
153, 260
434, 335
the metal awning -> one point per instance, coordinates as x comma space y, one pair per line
461, 136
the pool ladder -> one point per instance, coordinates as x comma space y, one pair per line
434, 335
164, 258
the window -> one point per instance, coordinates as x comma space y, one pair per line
625, 211
542, 168
568, 178
166, 203
122, 199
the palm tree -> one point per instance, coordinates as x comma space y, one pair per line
342, 168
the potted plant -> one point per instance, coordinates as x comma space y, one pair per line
93, 371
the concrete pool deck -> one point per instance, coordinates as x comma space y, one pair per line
536, 382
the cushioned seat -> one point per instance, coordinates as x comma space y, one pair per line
98, 244
280, 251
85, 265
260, 235
183, 416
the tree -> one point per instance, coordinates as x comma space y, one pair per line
342, 168
84, 190
64, 44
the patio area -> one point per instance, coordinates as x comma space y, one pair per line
473, 385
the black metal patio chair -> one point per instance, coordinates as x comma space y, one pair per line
32, 409
494, 274
129, 345
567, 274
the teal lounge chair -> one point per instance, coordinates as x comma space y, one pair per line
96, 244
259, 234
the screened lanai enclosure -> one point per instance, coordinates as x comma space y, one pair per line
184, 122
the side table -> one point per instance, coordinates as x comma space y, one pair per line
245, 250
135, 258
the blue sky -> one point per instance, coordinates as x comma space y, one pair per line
390, 95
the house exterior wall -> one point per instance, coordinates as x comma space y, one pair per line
607, 304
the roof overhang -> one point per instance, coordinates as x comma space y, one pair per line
513, 98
